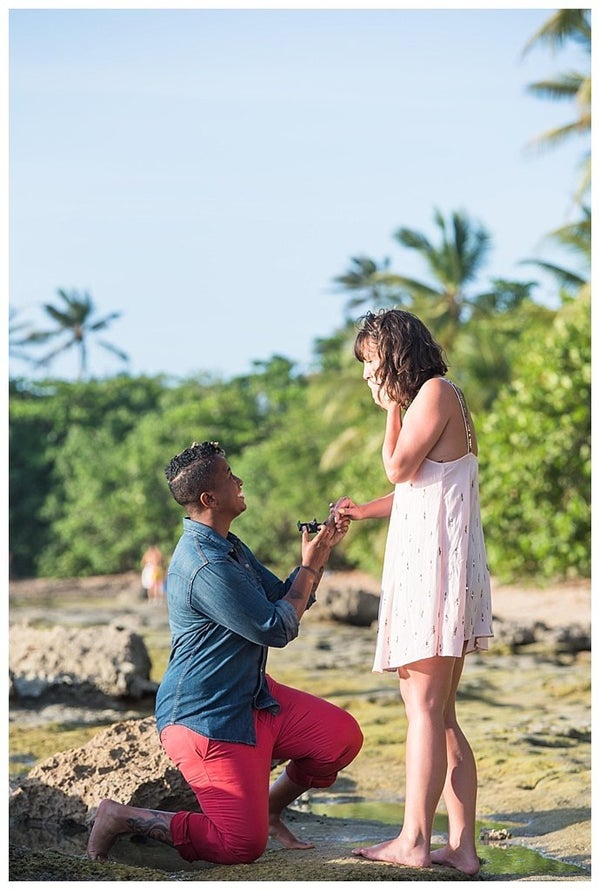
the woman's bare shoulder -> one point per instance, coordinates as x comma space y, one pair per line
436, 389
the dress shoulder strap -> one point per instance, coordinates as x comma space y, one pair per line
465, 414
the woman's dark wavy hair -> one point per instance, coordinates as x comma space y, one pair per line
407, 351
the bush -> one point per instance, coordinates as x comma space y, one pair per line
536, 457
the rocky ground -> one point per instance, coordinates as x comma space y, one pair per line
526, 710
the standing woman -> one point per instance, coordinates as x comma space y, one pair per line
435, 601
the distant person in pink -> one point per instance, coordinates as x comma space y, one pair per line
153, 573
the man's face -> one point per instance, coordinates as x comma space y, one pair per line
227, 490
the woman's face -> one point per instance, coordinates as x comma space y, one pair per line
371, 365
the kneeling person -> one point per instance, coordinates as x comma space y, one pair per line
222, 719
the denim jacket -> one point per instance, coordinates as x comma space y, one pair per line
225, 610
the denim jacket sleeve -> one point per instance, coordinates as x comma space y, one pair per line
241, 598
274, 588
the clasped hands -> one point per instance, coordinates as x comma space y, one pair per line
342, 512
333, 529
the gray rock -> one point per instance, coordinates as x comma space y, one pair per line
125, 762
348, 605
107, 660
574, 638
570, 639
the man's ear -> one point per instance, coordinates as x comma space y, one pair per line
207, 500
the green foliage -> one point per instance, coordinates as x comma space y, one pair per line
361, 476
275, 502
113, 502
536, 456
41, 417
87, 487
284, 483
487, 346
30, 468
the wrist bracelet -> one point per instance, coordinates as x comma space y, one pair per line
308, 569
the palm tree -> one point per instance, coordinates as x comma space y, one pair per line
564, 25
17, 338
369, 281
453, 263
576, 237
74, 325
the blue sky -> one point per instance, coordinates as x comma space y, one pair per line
208, 172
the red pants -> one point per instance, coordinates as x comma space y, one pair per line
231, 780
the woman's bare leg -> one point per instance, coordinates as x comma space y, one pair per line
425, 687
115, 819
460, 793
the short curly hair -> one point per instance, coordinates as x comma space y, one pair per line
191, 471
407, 351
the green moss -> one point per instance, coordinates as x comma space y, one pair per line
45, 865
30, 745
157, 645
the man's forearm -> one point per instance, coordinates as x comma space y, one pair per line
304, 584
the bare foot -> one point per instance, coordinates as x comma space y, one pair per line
468, 863
394, 852
105, 830
114, 819
280, 831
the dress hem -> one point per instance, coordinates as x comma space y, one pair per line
480, 644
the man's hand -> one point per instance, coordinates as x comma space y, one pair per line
339, 524
315, 550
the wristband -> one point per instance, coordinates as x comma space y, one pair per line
308, 569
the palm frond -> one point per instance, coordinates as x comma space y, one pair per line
360, 273
413, 286
413, 239
558, 135
104, 322
50, 356
566, 86
585, 182
64, 319
563, 25
576, 235
564, 277
36, 337
115, 351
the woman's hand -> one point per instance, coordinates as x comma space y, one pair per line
380, 395
343, 511
345, 508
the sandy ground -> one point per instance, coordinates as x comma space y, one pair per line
544, 785
556, 606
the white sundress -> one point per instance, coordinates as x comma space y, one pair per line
435, 594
